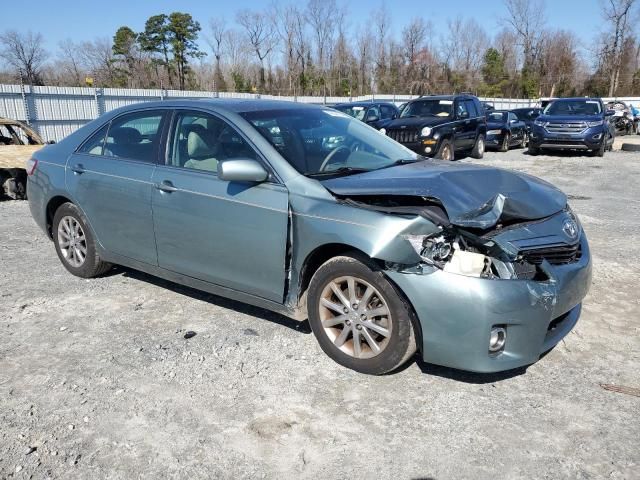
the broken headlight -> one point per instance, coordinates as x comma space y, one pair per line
433, 250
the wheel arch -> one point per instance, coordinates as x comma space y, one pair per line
52, 205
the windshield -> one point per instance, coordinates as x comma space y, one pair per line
428, 108
322, 141
497, 117
573, 107
355, 111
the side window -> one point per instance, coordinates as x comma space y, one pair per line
95, 144
372, 113
461, 110
135, 136
471, 108
199, 141
512, 117
387, 111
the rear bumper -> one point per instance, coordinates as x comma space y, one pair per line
456, 314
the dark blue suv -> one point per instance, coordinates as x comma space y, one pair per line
573, 124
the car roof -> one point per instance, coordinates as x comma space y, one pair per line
577, 98
236, 105
364, 103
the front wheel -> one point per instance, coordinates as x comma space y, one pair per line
446, 152
531, 150
358, 317
506, 140
75, 244
478, 148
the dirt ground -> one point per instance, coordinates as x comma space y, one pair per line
97, 380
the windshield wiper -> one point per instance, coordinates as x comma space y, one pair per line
337, 171
402, 161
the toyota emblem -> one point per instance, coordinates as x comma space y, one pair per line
570, 229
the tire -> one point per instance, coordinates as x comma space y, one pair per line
525, 140
70, 223
600, 151
630, 147
506, 140
478, 147
533, 150
442, 151
392, 333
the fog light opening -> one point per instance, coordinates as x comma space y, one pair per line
497, 339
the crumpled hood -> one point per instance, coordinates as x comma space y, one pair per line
473, 196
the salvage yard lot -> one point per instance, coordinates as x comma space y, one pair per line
97, 376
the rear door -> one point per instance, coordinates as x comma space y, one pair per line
464, 129
517, 127
110, 179
232, 234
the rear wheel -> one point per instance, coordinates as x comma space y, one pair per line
358, 317
445, 152
75, 244
525, 140
478, 148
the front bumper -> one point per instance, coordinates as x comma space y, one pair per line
456, 314
494, 140
589, 139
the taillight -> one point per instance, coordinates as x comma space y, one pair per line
31, 165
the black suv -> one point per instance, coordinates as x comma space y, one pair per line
441, 126
573, 124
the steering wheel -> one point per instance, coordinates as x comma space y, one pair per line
332, 154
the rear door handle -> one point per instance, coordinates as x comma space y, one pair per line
78, 169
166, 186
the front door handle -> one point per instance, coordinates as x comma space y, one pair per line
166, 186
78, 169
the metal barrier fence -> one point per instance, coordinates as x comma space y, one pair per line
55, 112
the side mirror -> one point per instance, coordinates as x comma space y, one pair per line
463, 115
242, 170
609, 113
514, 121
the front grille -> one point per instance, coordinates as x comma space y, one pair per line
561, 255
566, 127
404, 135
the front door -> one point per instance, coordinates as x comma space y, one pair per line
110, 179
231, 234
464, 127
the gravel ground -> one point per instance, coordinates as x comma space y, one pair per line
97, 380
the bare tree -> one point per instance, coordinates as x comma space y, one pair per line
364, 41
68, 62
261, 35
97, 56
217, 30
616, 13
381, 21
321, 15
25, 52
527, 19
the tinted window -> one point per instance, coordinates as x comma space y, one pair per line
135, 136
387, 111
496, 117
471, 108
199, 141
355, 111
461, 110
373, 113
95, 144
573, 107
428, 108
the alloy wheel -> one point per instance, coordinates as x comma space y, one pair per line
72, 241
355, 317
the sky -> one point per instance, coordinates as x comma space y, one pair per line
84, 20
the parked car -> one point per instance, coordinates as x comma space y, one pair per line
573, 124
528, 116
441, 126
621, 119
376, 114
488, 107
17, 142
306, 211
505, 130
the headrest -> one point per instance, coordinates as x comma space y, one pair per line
125, 135
200, 145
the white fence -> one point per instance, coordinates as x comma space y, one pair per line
55, 112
